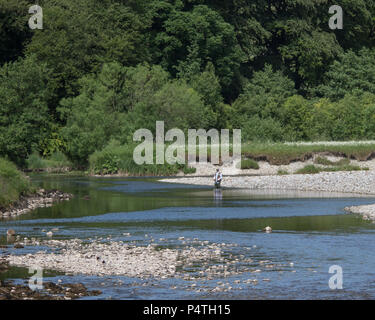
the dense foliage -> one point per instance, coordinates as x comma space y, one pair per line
13, 183
100, 69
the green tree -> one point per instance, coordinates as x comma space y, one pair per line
254, 128
142, 82
94, 116
208, 86
295, 115
368, 115
351, 72
24, 117
119, 100
79, 36
178, 105
190, 39
258, 109
308, 56
264, 94
14, 30
347, 119
359, 24
321, 120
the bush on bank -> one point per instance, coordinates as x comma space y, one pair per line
54, 161
116, 158
13, 183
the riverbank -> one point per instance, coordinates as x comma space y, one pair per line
366, 211
13, 184
26, 203
18, 195
51, 291
359, 182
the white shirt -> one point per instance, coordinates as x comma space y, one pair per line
218, 176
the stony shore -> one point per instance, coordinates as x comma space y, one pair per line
359, 182
40, 199
50, 291
366, 211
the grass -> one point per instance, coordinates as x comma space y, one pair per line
324, 161
308, 169
115, 158
249, 164
13, 184
189, 170
311, 169
283, 154
282, 172
119, 159
56, 161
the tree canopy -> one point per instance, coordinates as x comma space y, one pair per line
101, 69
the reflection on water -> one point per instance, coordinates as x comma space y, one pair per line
309, 229
218, 196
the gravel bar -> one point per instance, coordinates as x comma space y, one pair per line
360, 182
119, 258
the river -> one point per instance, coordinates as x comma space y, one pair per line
311, 233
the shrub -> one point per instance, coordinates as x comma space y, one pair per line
308, 169
13, 183
56, 160
282, 172
324, 161
35, 161
258, 129
345, 168
249, 164
313, 169
189, 170
117, 158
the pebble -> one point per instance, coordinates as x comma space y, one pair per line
367, 211
11, 233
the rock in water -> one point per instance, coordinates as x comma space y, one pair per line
11, 233
267, 229
49, 234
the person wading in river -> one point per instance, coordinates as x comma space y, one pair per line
218, 178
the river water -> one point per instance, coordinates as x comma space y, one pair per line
311, 233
